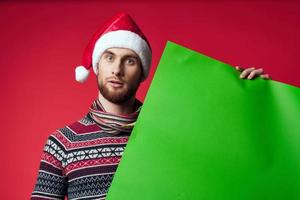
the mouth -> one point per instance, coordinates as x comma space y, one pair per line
115, 83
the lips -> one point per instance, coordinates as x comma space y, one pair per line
115, 83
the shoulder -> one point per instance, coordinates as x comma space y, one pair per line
84, 125
79, 131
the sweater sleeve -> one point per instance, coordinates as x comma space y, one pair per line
51, 181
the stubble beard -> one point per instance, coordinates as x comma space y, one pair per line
118, 95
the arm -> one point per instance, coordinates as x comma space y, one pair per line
51, 182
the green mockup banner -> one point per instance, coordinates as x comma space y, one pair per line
205, 134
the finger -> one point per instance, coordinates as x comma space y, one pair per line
265, 76
239, 68
246, 72
255, 72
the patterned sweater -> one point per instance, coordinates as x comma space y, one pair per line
80, 160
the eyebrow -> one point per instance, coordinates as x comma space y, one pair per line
130, 55
107, 51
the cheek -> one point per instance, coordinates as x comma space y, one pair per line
134, 72
100, 76
102, 72
134, 77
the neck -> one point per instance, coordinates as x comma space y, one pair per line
124, 108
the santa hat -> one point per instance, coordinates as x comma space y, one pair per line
121, 31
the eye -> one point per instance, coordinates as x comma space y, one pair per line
130, 61
109, 57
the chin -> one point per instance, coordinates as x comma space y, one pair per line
116, 90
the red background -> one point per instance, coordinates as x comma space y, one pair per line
42, 42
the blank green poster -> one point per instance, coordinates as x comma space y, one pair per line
204, 133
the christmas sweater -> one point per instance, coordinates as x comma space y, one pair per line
79, 160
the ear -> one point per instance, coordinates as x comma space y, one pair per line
141, 79
97, 68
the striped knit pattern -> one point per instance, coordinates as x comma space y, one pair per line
113, 124
79, 161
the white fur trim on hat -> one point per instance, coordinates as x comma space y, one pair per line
123, 39
81, 74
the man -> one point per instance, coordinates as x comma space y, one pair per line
79, 160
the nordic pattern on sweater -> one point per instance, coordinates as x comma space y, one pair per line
79, 161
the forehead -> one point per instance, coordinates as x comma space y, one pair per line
121, 52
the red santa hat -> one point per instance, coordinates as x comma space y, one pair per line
120, 31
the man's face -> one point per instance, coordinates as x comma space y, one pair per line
119, 74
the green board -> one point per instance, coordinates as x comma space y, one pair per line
204, 133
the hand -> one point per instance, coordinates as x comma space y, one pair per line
251, 73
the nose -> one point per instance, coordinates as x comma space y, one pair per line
117, 68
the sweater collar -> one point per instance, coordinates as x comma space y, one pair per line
114, 123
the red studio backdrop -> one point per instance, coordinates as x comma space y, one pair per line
42, 42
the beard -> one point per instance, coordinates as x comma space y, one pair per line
118, 95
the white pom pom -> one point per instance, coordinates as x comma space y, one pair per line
81, 74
